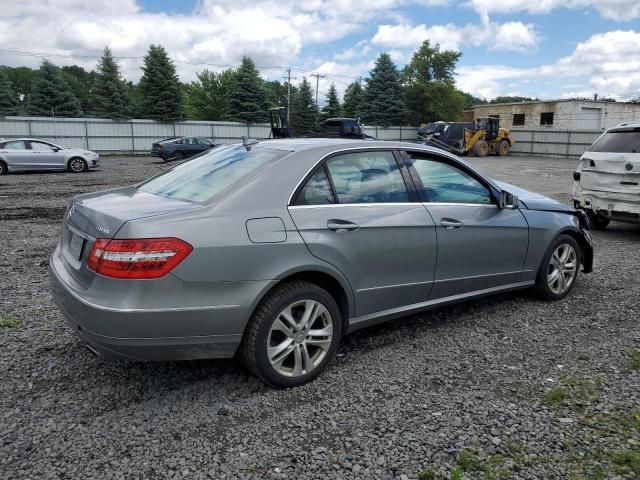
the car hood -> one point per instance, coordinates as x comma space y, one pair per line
532, 200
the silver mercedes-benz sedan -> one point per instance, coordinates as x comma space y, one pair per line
34, 154
276, 249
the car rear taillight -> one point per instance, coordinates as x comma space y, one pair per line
143, 258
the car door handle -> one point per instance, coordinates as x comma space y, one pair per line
337, 225
451, 223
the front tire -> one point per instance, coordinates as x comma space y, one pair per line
77, 165
3, 168
560, 268
293, 334
481, 148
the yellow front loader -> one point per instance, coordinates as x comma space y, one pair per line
488, 138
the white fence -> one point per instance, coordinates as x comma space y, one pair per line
565, 143
103, 135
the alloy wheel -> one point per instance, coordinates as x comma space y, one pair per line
563, 268
77, 165
300, 338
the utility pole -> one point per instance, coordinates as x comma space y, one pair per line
288, 95
318, 77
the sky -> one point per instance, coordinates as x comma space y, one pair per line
540, 48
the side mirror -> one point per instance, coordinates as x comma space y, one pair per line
508, 200
55, 149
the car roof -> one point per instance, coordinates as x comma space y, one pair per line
624, 126
300, 144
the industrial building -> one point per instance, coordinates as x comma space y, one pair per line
561, 114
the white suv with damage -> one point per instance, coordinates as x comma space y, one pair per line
607, 182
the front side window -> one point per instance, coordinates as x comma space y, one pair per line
41, 147
16, 145
203, 176
621, 141
367, 177
317, 190
449, 184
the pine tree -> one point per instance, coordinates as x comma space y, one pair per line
304, 113
383, 98
8, 96
80, 82
248, 102
352, 102
333, 108
51, 94
109, 94
160, 91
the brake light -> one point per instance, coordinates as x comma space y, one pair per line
143, 258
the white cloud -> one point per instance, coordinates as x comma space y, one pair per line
609, 64
613, 9
514, 36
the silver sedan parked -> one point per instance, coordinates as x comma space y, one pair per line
34, 154
277, 249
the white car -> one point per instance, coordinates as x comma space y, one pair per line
34, 154
607, 182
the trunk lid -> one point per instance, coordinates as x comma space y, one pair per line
101, 215
611, 172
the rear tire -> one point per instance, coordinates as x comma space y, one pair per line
279, 347
3, 168
178, 157
77, 165
597, 221
503, 148
481, 148
560, 269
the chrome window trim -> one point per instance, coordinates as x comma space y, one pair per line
390, 204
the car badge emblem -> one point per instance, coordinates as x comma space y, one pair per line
628, 167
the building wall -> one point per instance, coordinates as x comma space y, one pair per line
567, 115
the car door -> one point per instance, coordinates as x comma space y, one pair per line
356, 213
17, 155
480, 245
47, 156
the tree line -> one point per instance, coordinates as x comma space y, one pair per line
421, 92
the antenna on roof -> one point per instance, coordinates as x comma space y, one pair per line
248, 142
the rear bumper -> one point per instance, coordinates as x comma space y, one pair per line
159, 154
148, 334
609, 205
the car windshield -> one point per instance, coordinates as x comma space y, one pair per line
199, 179
620, 141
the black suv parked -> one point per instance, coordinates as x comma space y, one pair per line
177, 148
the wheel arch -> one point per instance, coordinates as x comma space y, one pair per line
6, 165
586, 250
337, 286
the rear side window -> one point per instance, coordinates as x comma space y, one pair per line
317, 190
16, 145
202, 177
367, 177
622, 141
448, 184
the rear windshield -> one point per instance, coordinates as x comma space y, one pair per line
199, 179
621, 141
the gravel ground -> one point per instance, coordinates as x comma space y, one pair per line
503, 387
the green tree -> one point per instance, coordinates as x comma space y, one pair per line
304, 113
429, 86
109, 94
8, 96
513, 99
208, 97
352, 101
248, 102
470, 101
383, 97
80, 81
333, 108
276, 93
160, 92
51, 94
